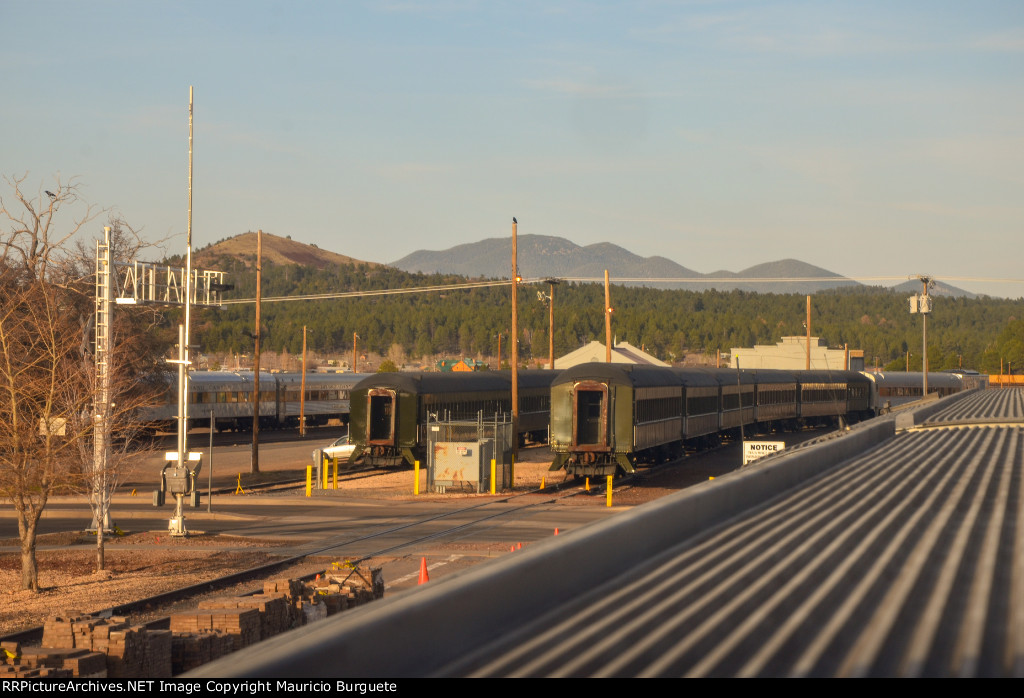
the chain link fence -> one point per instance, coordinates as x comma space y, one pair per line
459, 452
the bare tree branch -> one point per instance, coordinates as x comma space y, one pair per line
32, 237
47, 379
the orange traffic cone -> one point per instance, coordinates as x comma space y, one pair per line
556, 531
424, 577
519, 546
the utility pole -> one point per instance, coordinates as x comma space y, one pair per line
808, 323
515, 341
607, 320
551, 323
355, 353
302, 389
926, 307
255, 463
923, 304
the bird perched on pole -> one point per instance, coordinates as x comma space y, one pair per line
513, 219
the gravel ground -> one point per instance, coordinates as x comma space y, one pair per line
143, 564
140, 565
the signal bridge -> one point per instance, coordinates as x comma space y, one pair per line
149, 283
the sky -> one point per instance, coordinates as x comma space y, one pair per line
869, 138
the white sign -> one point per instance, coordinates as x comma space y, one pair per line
752, 450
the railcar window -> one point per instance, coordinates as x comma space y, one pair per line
658, 409
822, 392
730, 401
769, 395
701, 404
535, 403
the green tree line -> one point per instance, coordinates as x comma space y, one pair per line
976, 333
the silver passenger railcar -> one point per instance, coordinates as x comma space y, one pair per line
327, 397
892, 388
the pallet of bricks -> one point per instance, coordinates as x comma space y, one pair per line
226, 624
82, 646
347, 585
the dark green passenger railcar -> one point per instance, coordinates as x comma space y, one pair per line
389, 410
603, 416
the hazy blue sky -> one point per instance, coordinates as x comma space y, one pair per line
870, 138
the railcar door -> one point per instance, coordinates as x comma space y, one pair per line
590, 416
380, 417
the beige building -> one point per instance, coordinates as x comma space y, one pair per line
791, 354
622, 353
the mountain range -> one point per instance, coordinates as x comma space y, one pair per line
542, 256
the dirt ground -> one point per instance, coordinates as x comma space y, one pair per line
140, 565
146, 563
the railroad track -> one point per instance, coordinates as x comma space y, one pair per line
488, 513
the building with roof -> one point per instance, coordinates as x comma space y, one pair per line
459, 365
622, 353
791, 354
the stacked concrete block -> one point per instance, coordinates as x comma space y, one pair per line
189, 650
130, 651
274, 612
81, 663
242, 624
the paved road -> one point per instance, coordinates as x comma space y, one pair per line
359, 521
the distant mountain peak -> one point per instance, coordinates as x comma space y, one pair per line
539, 256
276, 249
547, 256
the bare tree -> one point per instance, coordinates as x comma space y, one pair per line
46, 370
43, 392
132, 389
34, 240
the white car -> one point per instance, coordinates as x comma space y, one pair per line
341, 449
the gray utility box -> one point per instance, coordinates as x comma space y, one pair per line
462, 463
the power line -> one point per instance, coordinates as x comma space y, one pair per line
379, 292
594, 279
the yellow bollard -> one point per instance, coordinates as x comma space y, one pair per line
542, 483
586, 484
335, 472
609, 494
326, 473
309, 480
416, 478
493, 469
